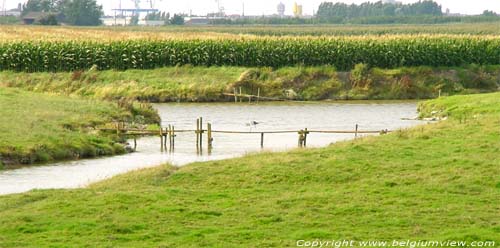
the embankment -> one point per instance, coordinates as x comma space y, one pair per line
206, 84
38, 128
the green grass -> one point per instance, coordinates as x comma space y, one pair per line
204, 84
38, 127
434, 182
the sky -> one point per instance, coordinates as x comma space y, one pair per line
260, 7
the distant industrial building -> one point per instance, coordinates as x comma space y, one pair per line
297, 10
391, 2
281, 9
12, 12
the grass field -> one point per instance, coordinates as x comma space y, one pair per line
205, 84
40, 128
434, 182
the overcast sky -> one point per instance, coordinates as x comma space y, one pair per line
259, 7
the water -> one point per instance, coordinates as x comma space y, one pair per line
227, 116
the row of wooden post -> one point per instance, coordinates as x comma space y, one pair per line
303, 137
241, 95
169, 133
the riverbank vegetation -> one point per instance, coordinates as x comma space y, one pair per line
433, 182
38, 128
205, 84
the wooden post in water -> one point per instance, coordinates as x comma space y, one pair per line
161, 138
258, 95
305, 137
241, 97
301, 138
209, 136
169, 132
197, 133
235, 95
165, 134
261, 140
201, 133
135, 143
356, 132
173, 138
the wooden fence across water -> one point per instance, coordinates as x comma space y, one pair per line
169, 134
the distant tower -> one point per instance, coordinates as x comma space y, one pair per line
281, 9
297, 10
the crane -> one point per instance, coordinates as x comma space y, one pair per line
152, 3
3, 7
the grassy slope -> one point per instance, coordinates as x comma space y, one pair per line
439, 181
37, 128
202, 84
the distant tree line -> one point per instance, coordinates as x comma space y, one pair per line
73, 12
422, 12
177, 19
158, 16
328, 10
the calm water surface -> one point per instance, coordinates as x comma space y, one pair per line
227, 116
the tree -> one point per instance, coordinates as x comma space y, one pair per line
50, 20
177, 20
75, 12
38, 6
134, 20
489, 13
81, 12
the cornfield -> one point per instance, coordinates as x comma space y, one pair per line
343, 53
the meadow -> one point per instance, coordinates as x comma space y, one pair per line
433, 182
38, 128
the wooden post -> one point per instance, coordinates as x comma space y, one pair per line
356, 132
439, 93
173, 138
241, 98
197, 132
135, 143
201, 133
169, 131
235, 95
261, 140
258, 95
209, 136
301, 138
305, 137
161, 138
165, 134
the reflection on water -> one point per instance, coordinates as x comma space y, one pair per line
233, 117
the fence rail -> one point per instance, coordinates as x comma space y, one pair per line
170, 133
